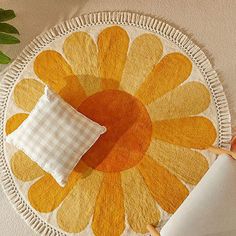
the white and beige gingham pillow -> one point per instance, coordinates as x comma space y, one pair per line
55, 136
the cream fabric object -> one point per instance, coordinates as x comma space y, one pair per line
55, 136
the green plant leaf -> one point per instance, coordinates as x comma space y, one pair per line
4, 59
6, 15
8, 39
7, 28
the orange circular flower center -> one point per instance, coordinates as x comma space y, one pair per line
129, 130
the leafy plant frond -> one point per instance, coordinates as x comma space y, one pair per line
7, 28
6, 15
5, 33
4, 59
8, 39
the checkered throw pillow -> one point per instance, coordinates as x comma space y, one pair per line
55, 136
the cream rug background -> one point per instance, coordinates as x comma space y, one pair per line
211, 22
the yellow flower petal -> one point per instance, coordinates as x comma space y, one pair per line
81, 52
109, 215
24, 168
171, 71
186, 164
14, 122
52, 69
190, 99
73, 93
113, 44
27, 92
191, 132
46, 195
140, 207
145, 51
167, 190
76, 211
91, 84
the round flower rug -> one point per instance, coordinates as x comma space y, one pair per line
162, 104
